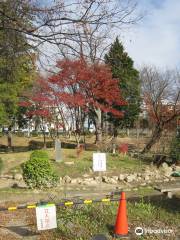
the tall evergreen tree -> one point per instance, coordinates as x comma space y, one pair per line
16, 65
123, 69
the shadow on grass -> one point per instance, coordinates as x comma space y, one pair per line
34, 145
15, 149
16, 186
22, 231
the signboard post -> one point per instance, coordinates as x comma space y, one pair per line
46, 217
99, 162
99, 165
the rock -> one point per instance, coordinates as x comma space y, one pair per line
143, 184
60, 180
69, 163
7, 176
167, 171
130, 178
164, 165
89, 179
115, 178
146, 178
85, 175
75, 181
158, 176
18, 177
79, 180
66, 179
98, 179
109, 180
139, 174
87, 182
172, 178
113, 181
159, 181
149, 173
105, 179
122, 177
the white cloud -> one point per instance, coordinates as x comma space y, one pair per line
156, 40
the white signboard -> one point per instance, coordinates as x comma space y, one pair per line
99, 162
46, 217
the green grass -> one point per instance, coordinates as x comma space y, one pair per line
82, 222
115, 164
83, 164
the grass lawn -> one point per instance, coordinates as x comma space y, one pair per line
80, 165
82, 222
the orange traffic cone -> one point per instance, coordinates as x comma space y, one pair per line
121, 226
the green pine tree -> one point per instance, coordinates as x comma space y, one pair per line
123, 69
16, 67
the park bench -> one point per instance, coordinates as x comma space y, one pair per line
168, 190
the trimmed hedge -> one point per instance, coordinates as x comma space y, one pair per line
38, 173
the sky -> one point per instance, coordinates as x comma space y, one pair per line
155, 39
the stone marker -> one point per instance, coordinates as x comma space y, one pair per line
58, 154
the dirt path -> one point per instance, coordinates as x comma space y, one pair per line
16, 225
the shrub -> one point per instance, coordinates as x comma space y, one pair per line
37, 172
175, 149
1, 165
39, 154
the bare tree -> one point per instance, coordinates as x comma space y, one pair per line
161, 93
53, 23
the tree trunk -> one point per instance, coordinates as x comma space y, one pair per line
44, 139
98, 125
9, 139
154, 138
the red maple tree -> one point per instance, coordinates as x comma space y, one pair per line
77, 89
86, 88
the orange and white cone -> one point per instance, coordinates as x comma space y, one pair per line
121, 226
